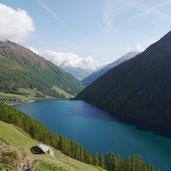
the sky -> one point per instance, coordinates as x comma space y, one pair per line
81, 33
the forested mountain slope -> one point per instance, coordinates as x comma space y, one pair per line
95, 75
138, 89
20, 149
22, 68
23, 132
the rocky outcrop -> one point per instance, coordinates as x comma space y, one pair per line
42, 149
15, 159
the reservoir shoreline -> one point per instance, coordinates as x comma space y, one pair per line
98, 131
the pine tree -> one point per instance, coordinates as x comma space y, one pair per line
101, 160
118, 163
109, 161
96, 160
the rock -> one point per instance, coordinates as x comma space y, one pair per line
42, 149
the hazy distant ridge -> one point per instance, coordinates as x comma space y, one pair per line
95, 75
138, 89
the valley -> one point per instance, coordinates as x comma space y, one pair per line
88, 125
85, 85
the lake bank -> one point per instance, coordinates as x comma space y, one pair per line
139, 124
98, 131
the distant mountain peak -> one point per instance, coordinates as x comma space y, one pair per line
22, 68
167, 37
138, 89
4, 42
95, 75
7, 43
133, 52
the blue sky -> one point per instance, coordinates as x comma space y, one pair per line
101, 29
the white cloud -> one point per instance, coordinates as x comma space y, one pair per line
153, 40
71, 60
15, 25
68, 59
136, 48
34, 50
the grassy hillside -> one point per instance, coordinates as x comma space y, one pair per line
12, 137
10, 95
138, 89
72, 149
22, 68
41, 133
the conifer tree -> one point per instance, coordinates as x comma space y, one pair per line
101, 160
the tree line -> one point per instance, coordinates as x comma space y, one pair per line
72, 149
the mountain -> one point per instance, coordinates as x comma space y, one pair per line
138, 89
8, 135
95, 75
20, 68
77, 72
19, 133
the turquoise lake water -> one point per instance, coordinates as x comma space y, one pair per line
98, 131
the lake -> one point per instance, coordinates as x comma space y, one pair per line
98, 131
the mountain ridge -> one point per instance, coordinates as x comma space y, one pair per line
15, 125
22, 68
43, 162
95, 75
138, 89
77, 72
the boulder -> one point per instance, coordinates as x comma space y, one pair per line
42, 149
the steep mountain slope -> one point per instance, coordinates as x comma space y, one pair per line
13, 139
23, 132
138, 89
77, 72
21, 68
95, 75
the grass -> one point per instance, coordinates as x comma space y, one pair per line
22, 98
61, 91
9, 95
16, 138
29, 94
